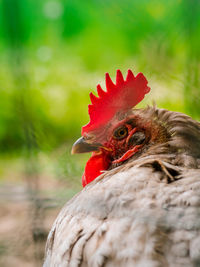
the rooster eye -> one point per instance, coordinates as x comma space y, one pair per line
120, 133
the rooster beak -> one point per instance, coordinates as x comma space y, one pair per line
82, 146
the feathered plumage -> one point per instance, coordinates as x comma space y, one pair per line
144, 211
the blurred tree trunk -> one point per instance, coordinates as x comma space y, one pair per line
15, 36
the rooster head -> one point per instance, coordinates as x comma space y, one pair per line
114, 133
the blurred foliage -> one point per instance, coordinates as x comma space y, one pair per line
53, 52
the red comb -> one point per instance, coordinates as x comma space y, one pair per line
120, 97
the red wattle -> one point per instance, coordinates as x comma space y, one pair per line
94, 166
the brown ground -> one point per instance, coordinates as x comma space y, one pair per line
27, 211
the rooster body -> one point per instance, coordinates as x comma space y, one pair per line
142, 211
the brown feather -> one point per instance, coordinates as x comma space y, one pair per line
145, 212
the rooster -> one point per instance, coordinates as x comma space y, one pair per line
140, 205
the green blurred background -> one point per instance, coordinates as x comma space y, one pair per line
53, 52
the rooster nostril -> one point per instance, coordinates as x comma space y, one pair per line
137, 138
